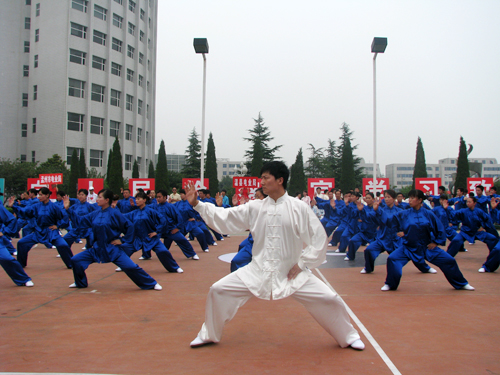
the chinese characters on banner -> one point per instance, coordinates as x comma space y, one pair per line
51, 179
86, 183
245, 187
145, 184
323, 183
429, 185
487, 182
196, 182
381, 185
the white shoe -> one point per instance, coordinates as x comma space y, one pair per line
73, 285
14, 253
196, 257
385, 287
175, 244
214, 244
358, 344
468, 287
346, 258
482, 270
29, 283
206, 250
199, 342
54, 247
144, 258
432, 270
228, 236
363, 270
58, 256
80, 241
84, 248
222, 239
330, 245
157, 287
180, 270
118, 269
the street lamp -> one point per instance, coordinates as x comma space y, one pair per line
378, 46
201, 46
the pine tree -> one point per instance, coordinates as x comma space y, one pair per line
349, 159
161, 174
74, 175
297, 177
192, 167
257, 160
211, 166
260, 136
135, 170
108, 166
331, 162
315, 162
347, 175
115, 168
82, 165
462, 167
420, 169
151, 171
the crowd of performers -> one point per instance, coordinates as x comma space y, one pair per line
115, 228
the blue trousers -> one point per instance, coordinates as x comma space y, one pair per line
200, 236
493, 260
8, 245
243, 257
217, 235
376, 248
13, 267
71, 237
354, 243
344, 241
81, 262
183, 243
26, 243
458, 242
162, 253
337, 234
448, 265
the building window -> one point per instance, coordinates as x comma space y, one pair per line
139, 107
116, 69
97, 93
96, 157
26, 46
119, 2
131, 28
28, 2
128, 132
147, 111
98, 63
37, 9
117, 20
35, 92
80, 5
149, 65
27, 23
141, 36
130, 75
99, 38
147, 138
23, 158
114, 128
78, 30
24, 130
75, 122
69, 153
115, 98
129, 105
26, 70
131, 6
130, 51
33, 125
37, 35
116, 45
100, 12
76, 88
148, 86
141, 58
141, 80
149, 43
33, 156
139, 162
139, 135
35, 61
149, 22
25, 100
128, 162
76, 56
143, 14
96, 125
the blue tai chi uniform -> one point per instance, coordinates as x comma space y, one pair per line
124, 205
107, 226
331, 220
244, 255
189, 224
352, 226
367, 231
45, 215
344, 222
217, 235
11, 266
418, 227
76, 212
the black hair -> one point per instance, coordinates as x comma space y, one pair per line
84, 191
207, 192
473, 198
182, 191
493, 188
415, 193
480, 187
442, 188
127, 190
370, 194
461, 189
116, 197
107, 194
33, 191
277, 169
401, 194
261, 191
162, 192
391, 193
471, 195
443, 196
142, 194
224, 190
45, 191
60, 193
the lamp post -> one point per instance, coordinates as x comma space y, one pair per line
201, 46
378, 46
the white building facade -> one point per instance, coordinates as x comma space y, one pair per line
226, 167
75, 75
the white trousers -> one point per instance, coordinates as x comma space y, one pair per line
228, 294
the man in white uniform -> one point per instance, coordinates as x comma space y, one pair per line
92, 197
280, 267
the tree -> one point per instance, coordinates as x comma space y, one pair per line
74, 175
297, 177
16, 173
257, 159
161, 174
331, 162
108, 166
260, 136
315, 162
83, 165
174, 179
115, 168
135, 170
151, 170
192, 167
211, 166
462, 167
348, 167
420, 169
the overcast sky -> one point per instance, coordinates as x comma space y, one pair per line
307, 67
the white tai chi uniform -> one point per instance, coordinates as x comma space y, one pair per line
279, 228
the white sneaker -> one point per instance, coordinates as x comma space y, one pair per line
58, 256
54, 247
432, 270
346, 258
180, 270
206, 250
80, 241
157, 287
196, 257
199, 342
29, 283
228, 236
144, 258
385, 287
73, 285
468, 287
118, 269
363, 270
214, 244
337, 251
84, 248
330, 245
358, 345
222, 239
14, 253
482, 270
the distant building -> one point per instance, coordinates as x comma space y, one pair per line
367, 168
226, 167
175, 162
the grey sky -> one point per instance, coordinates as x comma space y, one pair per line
307, 67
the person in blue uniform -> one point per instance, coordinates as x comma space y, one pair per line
435, 199
460, 201
204, 196
367, 226
331, 220
351, 210
344, 219
400, 202
48, 218
11, 266
482, 201
126, 204
107, 224
190, 223
76, 212
416, 226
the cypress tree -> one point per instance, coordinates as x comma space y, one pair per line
135, 170
260, 136
151, 171
315, 162
420, 169
108, 166
74, 174
115, 168
297, 176
83, 165
347, 176
192, 167
211, 166
462, 167
257, 159
356, 170
161, 174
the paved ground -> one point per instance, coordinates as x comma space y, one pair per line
113, 327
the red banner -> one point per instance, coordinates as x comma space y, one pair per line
487, 182
429, 185
87, 183
51, 179
145, 184
381, 185
245, 187
323, 183
196, 182
34, 183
